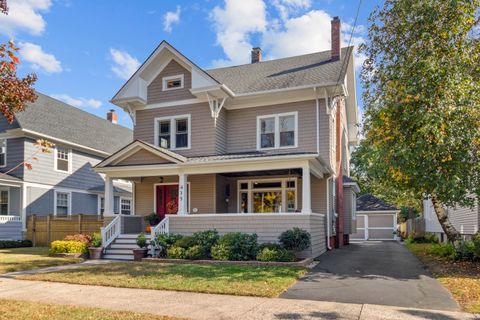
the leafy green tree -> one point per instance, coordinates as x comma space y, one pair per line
421, 94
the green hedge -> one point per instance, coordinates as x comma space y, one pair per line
277, 255
236, 246
61, 246
7, 244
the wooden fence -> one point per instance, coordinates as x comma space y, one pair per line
42, 230
416, 226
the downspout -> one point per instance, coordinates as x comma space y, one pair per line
317, 106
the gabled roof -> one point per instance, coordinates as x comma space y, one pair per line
298, 71
50, 117
368, 202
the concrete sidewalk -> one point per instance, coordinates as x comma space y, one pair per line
206, 306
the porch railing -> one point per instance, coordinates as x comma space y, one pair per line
161, 228
4, 219
111, 231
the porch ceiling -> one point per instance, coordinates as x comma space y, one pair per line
263, 173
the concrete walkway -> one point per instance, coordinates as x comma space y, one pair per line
206, 306
383, 273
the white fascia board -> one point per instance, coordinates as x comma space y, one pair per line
379, 212
354, 185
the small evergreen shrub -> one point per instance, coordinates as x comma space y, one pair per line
206, 238
269, 245
236, 246
185, 242
197, 252
78, 237
9, 244
465, 250
96, 240
295, 239
142, 241
275, 254
61, 246
443, 250
167, 240
176, 253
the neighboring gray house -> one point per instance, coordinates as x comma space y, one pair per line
465, 220
61, 182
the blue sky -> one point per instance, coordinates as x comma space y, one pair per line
83, 50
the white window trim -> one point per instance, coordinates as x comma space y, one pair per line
165, 79
55, 168
283, 188
354, 206
277, 130
120, 204
99, 204
8, 199
69, 213
173, 130
6, 145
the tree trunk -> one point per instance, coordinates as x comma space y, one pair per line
452, 234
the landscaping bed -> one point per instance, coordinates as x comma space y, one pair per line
13, 309
301, 263
461, 278
19, 259
247, 280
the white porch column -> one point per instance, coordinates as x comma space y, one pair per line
306, 190
182, 194
108, 196
24, 207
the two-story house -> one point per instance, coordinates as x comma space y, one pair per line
258, 148
61, 182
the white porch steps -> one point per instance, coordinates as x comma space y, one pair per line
122, 247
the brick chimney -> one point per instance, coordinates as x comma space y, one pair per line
335, 39
256, 55
112, 116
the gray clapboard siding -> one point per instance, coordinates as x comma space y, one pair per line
84, 203
267, 227
465, 220
155, 93
11, 230
15, 156
4, 125
14, 201
40, 201
82, 176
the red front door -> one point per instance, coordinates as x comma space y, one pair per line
167, 200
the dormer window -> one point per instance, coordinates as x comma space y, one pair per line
173, 82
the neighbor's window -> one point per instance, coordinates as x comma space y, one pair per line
173, 82
4, 201
62, 159
102, 205
126, 206
173, 132
3, 152
277, 131
63, 204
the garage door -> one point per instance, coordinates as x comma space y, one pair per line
375, 227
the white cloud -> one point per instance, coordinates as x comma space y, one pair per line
124, 64
38, 59
24, 15
170, 18
234, 24
297, 30
78, 102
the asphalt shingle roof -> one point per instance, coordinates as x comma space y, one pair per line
309, 69
368, 202
60, 120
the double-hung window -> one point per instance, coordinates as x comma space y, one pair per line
4, 201
277, 131
173, 132
63, 159
3, 152
62, 203
125, 206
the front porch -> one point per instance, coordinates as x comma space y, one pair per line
11, 205
256, 193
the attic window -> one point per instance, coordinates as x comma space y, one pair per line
173, 82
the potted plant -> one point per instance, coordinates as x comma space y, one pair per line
141, 252
153, 219
95, 249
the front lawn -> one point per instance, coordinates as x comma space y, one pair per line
259, 281
12, 309
461, 278
19, 259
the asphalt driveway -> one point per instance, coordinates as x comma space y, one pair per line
383, 273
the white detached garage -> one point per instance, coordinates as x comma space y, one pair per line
376, 220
